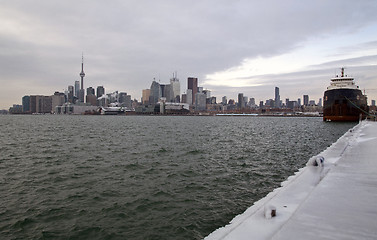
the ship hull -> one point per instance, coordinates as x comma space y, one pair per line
344, 105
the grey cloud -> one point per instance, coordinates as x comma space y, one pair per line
127, 43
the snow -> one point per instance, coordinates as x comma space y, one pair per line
333, 197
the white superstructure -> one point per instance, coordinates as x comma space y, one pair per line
342, 82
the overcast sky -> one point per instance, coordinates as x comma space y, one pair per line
231, 46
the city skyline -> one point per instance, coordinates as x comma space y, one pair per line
77, 90
169, 92
247, 47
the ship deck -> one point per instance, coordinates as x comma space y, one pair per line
333, 201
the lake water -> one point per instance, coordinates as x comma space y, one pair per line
144, 177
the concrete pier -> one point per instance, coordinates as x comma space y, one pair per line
333, 197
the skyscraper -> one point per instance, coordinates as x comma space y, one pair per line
77, 88
71, 94
277, 98
162, 89
189, 97
224, 101
40, 104
155, 93
146, 94
175, 88
252, 102
241, 101
184, 98
306, 100
58, 99
100, 91
192, 83
200, 102
90, 91
26, 104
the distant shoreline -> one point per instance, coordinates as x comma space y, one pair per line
183, 115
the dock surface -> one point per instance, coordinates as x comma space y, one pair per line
333, 199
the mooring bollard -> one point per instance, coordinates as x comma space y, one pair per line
316, 161
269, 211
319, 161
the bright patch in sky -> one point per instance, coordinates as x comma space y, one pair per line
313, 52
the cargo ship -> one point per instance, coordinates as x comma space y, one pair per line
343, 100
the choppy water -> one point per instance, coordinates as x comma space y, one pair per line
143, 177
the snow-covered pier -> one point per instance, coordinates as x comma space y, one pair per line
333, 197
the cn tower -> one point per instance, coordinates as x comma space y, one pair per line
82, 74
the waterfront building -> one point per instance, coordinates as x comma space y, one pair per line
40, 104
148, 109
16, 109
68, 108
299, 102
277, 98
373, 103
26, 104
312, 103
192, 83
57, 99
174, 108
100, 91
306, 100
320, 102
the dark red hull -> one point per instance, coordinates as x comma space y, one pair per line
344, 105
